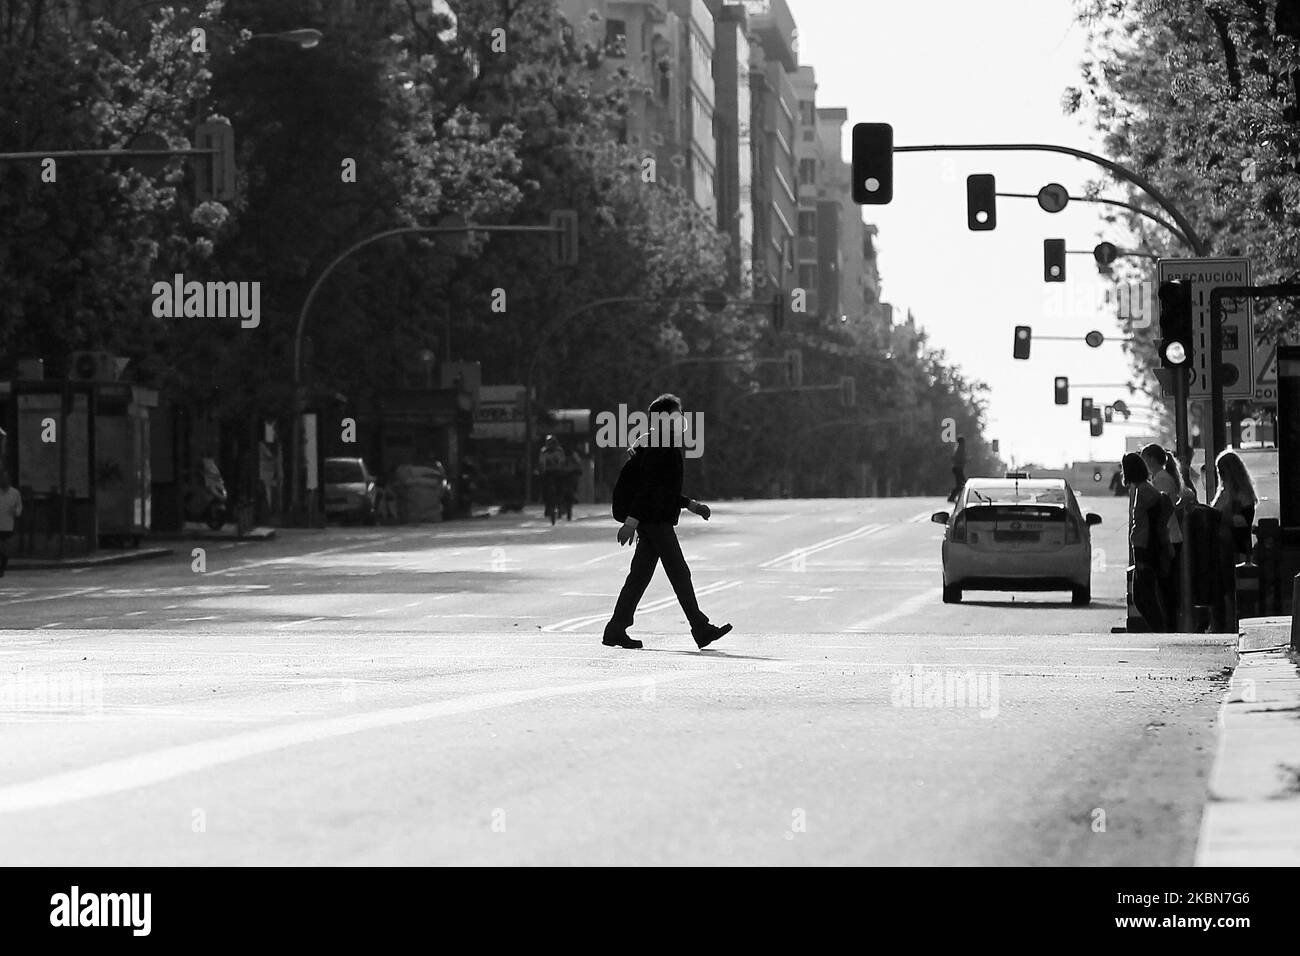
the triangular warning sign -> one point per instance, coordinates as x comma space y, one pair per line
1268, 374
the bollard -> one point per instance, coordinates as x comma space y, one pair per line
1295, 598
1267, 556
1247, 590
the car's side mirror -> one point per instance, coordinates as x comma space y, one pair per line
939, 517
1093, 518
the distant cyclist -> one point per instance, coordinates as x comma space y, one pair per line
553, 464
958, 468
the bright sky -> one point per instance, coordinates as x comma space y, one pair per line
958, 71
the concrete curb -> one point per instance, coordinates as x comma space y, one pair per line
115, 557
1252, 817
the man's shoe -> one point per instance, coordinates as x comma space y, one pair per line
706, 635
620, 639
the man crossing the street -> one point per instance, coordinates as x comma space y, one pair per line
655, 504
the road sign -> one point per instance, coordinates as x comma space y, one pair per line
1237, 363
1266, 380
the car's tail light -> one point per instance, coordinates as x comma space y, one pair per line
1071, 531
959, 529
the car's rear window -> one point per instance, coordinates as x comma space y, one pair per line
338, 472
1026, 494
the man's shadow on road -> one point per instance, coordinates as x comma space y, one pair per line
709, 652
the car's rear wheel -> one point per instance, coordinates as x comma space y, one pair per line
1081, 597
951, 594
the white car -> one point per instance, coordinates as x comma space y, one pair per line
1017, 534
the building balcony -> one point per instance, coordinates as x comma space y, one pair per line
773, 24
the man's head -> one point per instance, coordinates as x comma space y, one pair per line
551, 441
667, 421
961, 439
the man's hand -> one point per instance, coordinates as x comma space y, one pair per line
627, 532
700, 509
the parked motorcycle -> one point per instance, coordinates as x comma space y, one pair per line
206, 499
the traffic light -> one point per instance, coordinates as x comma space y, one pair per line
794, 367
778, 311
848, 391
1085, 409
1105, 253
981, 202
564, 241
1095, 425
215, 178
1053, 260
873, 164
1108, 413
1062, 386
1175, 324
1023, 338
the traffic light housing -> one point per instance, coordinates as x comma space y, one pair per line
873, 164
794, 367
1176, 349
564, 240
1085, 409
1108, 413
848, 391
981, 202
1062, 387
1024, 336
1053, 260
778, 311
215, 174
1094, 425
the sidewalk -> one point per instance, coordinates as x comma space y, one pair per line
1252, 817
106, 556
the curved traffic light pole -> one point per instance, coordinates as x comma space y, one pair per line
1165, 223
299, 398
1184, 226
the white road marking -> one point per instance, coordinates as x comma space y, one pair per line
1122, 648
158, 766
306, 620
52, 597
818, 546
923, 516
574, 623
902, 610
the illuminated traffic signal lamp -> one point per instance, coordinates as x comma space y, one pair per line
981, 202
1175, 323
1085, 409
1095, 425
873, 164
1062, 385
1053, 260
1024, 335
1108, 413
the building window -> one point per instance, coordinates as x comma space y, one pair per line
808, 112
616, 39
807, 225
807, 172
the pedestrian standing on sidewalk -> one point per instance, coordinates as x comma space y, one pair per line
11, 509
1167, 478
1235, 500
958, 468
1147, 539
650, 488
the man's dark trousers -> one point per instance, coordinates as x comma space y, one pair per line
654, 543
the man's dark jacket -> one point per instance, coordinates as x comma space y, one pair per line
658, 498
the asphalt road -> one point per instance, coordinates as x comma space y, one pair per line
439, 695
